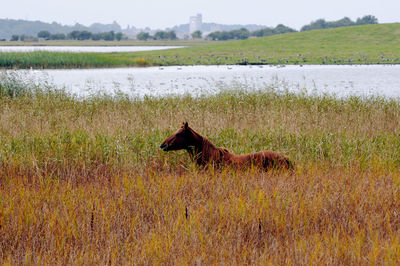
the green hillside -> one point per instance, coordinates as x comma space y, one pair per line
378, 43
369, 44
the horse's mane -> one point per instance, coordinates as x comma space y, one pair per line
210, 153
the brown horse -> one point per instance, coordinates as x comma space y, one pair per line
205, 153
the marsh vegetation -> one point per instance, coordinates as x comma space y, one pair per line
83, 180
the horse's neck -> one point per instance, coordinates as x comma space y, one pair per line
207, 152
197, 151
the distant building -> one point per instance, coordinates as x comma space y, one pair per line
195, 23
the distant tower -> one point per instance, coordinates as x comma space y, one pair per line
195, 23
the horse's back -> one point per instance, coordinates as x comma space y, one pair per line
276, 160
265, 159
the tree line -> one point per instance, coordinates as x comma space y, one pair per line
280, 29
73, 35
243, 33
344, 22
9, 27
159, 35
239, 34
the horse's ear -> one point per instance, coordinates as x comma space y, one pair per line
186, 125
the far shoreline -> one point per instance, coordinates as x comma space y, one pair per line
107, 43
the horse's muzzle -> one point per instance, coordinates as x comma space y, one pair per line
164, 147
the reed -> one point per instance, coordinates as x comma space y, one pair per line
49, 60
83, 180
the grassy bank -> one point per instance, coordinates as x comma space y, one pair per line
369, 44
49, 60
83, 181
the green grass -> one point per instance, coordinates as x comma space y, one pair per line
83, 181
348, 45
42, 123
369, 44
43, 59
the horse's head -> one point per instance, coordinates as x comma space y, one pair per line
182, 139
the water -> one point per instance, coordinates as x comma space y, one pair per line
341, 81
84, 49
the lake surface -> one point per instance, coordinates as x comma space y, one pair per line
84, 49
341, 81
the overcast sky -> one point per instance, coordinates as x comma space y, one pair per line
167, 13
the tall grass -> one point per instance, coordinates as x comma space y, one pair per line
83, 180
48, 60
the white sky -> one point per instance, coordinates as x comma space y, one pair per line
168, 13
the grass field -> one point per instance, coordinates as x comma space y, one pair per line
348, 45
84, 182
369, 44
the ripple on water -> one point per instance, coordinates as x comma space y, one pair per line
362, 80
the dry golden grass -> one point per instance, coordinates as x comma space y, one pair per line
84, 182
333, 216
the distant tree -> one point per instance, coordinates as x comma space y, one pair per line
197, 34
344, 22
143, 36
27, 38
319, 24
369, 19
281, 29
215, 36
164, 35
160, 35
119, 36
97, 36
14, 38
44, 34
171, 35
315, 25
226, 35
57, 36
74, 35
263, 32
229, 35
84, 35
109, 36
240, 34
8, 27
